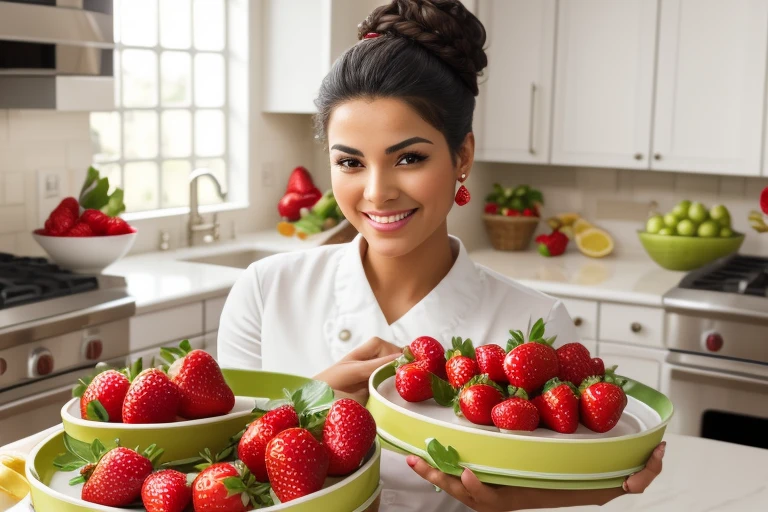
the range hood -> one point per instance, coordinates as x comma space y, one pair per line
56, 54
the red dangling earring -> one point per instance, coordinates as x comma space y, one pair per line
462, 195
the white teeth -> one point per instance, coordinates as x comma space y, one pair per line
391, 218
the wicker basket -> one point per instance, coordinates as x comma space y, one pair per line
510, 233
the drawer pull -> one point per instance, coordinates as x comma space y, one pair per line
577, 321
636, 327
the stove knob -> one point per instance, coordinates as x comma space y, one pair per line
40, 363
714, 342
93, 350
3, 366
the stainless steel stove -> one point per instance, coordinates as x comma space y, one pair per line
717, 332
55, 326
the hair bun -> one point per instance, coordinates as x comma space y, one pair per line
444, 27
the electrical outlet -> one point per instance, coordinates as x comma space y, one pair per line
52, 187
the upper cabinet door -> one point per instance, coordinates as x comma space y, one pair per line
512, 119
711, 86
604, 83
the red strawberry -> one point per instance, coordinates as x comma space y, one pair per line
558, 406
601, 404
490, 360
80, 229
528, 212
166, 491
477, 399
290, 205
598, 367
530, 365
117, 478
348, 434
117, 226
575, 363
462, 196
491, 208
226, 487
553, 244
253, 444
515, 413
426, 348
70, 204
204, 392
62, 218
152, 398
300, 181
460, 369
509, 212
107, 389
413, 382
297, 464
97, 220
764, 200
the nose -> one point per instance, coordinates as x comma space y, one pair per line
381, 186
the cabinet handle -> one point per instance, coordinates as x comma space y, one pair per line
531, 149
638, 156
577, 321
636, 327
657, 156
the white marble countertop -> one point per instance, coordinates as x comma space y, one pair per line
630, 277
699, 475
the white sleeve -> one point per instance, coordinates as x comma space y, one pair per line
239, 338
559, 323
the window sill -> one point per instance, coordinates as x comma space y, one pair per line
183, 210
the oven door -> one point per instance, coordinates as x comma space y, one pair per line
717, 398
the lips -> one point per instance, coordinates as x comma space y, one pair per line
389, 217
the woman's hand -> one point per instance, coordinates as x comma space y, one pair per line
350, 375
490, 498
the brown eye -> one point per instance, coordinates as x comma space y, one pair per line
349, 163
411, 158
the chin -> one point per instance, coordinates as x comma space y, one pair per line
392, 245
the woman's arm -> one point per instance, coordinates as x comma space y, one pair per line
239, 337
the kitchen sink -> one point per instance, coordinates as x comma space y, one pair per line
239, 259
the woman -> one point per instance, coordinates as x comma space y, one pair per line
396, 114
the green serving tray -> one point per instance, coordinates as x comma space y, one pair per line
543, 459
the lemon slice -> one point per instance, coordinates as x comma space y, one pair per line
12, 484
580, 226
594, 242
568, 219
14, 461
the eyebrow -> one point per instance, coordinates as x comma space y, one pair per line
389, 150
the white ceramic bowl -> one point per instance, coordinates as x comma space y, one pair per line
90, 254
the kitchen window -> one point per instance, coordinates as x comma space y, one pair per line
172, 75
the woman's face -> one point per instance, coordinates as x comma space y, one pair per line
392, 173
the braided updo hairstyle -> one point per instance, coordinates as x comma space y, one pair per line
429, 55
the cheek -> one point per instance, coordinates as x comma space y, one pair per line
346, 190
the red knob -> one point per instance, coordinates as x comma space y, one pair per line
93, 350
44, 364
714, 342
3, 366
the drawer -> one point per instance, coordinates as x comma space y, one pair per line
637, 325
151, 357
584, 316
168, 326
213, 309
591, 346
642, 364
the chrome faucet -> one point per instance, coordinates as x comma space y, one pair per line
196, 223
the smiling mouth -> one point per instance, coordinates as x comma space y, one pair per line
391, 218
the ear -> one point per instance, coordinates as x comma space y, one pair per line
466, 156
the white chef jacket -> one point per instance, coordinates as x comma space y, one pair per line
301, 312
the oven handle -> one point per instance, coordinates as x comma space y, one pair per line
718, 374
31, 403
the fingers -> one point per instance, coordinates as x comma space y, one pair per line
448, 483
366, 368
479, 492
371, 349
638, 482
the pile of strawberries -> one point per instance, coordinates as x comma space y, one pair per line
192, 387
66, 220
526, 386
520, 201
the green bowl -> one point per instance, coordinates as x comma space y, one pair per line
687, 252
540, 459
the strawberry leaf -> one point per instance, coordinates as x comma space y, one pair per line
234, 485
313, 396
314, 422
468, 348
96, 412
442, 391
79, 449
135, 369
80, 479
446, 459
185, 346
515, 391
537, 331
77, 391
97, 449
408, 355
68, 462
167, 356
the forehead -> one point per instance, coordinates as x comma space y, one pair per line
384, 118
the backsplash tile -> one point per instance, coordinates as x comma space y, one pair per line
13, 190
13, 219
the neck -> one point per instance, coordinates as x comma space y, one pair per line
400, 283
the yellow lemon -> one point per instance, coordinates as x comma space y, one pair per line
567, 231
580, 226
12, 484
568, 219
594, 242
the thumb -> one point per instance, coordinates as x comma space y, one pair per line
477, 489
366, 368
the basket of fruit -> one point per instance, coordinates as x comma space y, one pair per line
86, 234
295, 448
690, 236
527, 415
511, 216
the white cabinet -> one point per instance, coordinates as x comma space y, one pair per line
301, 40
604, 83
168, 326
512, 122
636, 325
710, 89
151, 357
638, 363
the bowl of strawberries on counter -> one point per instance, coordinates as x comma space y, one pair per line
527, 414
511, 215
86, 234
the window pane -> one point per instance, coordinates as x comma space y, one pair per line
116, 19
141, 183
209, 24
139, 22
139, 78
176, 78
175, 23
175, 183
206, 189
105, 136
209, 133
112, 172
177, 133
117, 70
209, 80
140, 134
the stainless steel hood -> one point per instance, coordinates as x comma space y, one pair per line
56, 54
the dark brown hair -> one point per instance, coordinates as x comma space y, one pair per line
429, 54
